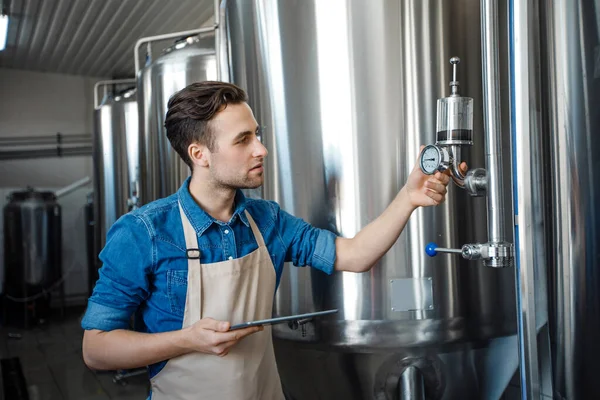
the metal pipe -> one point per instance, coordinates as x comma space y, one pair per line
73, 186
447, 250
174, 35
492, 120
411, 385
457, 176
46, 153
44, 140
38, 137
526, 261
109, 82
218, 38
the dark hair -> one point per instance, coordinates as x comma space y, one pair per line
191, 109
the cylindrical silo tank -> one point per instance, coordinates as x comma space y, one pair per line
116, 161
32, 254
346, 91
570, 73
189, 60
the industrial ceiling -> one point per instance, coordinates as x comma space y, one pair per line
92, 37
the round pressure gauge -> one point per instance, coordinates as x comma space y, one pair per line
433, 159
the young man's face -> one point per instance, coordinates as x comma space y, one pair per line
237, 159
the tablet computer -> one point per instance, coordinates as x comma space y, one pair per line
279, 320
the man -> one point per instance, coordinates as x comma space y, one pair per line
192, 264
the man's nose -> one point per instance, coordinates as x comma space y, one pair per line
260, 150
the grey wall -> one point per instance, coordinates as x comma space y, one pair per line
33, 103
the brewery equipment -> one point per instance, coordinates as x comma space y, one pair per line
116, 160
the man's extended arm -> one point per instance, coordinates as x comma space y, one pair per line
361, 252
124, 349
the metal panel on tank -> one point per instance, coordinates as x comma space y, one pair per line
346, 93
189, 60
116, 161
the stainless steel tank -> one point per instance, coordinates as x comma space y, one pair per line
32, 222
116, 161
32, 254
189, 60
346, 92
571, 86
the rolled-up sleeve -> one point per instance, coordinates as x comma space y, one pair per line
306, 245
123, 284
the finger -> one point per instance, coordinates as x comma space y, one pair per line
417, 164
435, 180
436, 187
214, 325
223, 349
237, 334
463, 167
444, 177
436, 197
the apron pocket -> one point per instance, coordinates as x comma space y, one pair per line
177, 290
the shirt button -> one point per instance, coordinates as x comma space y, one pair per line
230, 258
226, 231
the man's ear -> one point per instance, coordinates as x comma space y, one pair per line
199, 154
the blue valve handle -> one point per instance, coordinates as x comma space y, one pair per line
431, 249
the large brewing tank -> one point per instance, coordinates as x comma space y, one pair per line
346, 92
189, 60
32, 253
116, 161
570, 73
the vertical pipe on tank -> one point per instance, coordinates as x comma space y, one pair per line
492, 120
523, 179
218, 38
411, 385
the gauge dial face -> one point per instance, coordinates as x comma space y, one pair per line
430, 159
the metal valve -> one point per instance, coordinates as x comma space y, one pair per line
300, 323
493, 254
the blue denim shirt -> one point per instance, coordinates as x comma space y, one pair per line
145, 266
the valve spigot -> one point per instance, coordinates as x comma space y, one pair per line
492, 254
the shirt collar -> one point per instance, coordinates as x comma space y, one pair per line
199, 219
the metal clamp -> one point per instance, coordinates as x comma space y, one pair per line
476, 182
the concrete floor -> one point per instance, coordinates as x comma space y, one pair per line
52, 364
53, 368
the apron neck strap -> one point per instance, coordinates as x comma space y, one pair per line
191, 239
257, 235
193, 299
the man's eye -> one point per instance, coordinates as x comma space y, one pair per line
259, 133
244, 140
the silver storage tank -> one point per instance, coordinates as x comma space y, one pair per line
189, 60
346, 92
32, 254
571, 87
116, 161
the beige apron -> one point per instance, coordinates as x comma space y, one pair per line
237, 291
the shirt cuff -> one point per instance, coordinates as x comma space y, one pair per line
324, 255
104, 318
